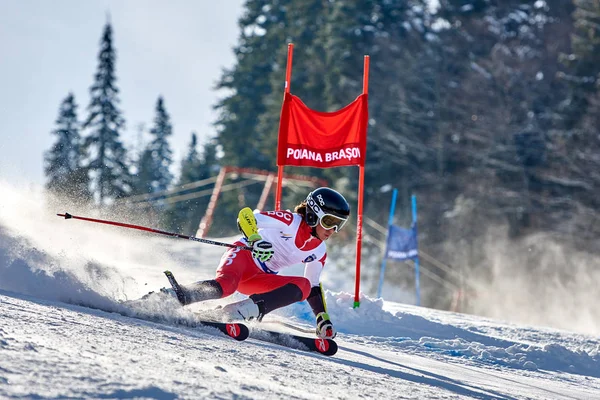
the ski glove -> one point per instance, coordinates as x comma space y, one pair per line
246, 223
262, 250
325, 329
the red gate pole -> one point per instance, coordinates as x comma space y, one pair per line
288, 81
265, 193
359, 213
206, 220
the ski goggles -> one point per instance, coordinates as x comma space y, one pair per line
329, 221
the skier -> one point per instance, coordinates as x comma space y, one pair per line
279, 239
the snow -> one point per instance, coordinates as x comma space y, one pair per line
69, 329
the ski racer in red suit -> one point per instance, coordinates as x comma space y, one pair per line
282, 239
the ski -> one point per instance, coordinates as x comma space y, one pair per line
241, 332
327, 347
176, 287
235, 330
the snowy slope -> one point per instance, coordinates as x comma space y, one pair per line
66, 333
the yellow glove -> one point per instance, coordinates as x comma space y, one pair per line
247, 225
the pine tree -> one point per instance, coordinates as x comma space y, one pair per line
185, 215
144, 175
64, 169
258, 54
582, 63
153, 166
313, 78
107, 163
190, 166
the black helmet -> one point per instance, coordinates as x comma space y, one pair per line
327, 207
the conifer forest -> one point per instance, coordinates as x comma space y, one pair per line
487, 111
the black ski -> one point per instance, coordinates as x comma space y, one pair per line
176, 287
235, 330
327, 347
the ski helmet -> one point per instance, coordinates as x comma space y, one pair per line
327, 207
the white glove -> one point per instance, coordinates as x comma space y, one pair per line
262, 250
325, 329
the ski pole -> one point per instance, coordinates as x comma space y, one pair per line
143, 228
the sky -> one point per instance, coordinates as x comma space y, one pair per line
176, 49
70, 327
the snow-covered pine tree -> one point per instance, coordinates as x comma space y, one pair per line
64, 170
107, 158
153, 166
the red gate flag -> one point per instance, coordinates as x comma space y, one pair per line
311, 138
